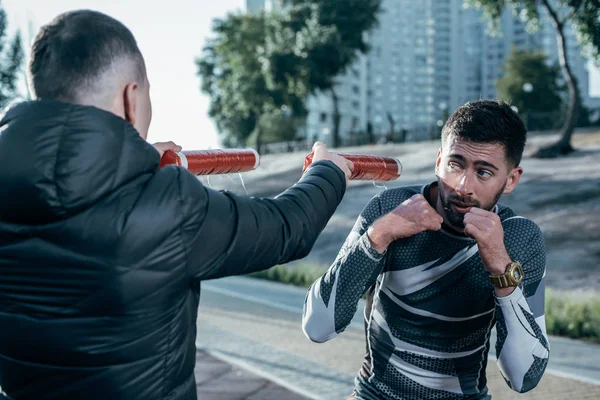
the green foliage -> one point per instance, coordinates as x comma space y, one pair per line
11, 59
231, 70
523, 68
300, 52
220, 75
302, 275
258, 63
586, 22
583, 15
278, 126
317, 40
573, 314
335, 30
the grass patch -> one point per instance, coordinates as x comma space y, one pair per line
573, 314
303, 274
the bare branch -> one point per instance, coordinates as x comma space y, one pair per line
553, 15
572, 13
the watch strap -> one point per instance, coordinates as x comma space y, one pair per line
506, 280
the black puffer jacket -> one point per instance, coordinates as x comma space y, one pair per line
102, 254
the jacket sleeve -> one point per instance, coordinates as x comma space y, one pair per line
332, 300
522, 347
226, 234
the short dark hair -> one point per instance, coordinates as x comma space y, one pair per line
489, 121
71, 52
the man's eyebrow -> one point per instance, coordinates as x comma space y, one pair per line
479, 162
457, 156
486, 164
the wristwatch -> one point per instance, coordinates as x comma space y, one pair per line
513, 276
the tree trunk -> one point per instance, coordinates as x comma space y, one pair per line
403, 133
336, 142
392, 131
259, 133
563, 146
370, 134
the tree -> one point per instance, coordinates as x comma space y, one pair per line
583, 15
231, 76
231, 70
11, 59
278, 126
530, 84
320, 39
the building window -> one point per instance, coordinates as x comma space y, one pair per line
323, 117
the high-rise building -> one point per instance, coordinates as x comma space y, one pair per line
416, 66
473, 39
429, 57
259, 5
351, 94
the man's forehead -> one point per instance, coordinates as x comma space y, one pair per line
470, 149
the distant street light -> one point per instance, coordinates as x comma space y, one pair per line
325, 131
527, 88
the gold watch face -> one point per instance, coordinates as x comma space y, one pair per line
516, 272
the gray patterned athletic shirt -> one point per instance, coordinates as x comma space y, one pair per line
431, 308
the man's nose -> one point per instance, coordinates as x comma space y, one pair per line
464, 188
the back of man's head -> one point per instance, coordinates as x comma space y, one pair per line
488, 121
84, 57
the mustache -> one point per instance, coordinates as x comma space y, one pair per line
463, 201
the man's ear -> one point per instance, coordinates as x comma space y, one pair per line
513, 180
130, 102
438, 161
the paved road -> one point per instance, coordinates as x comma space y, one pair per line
256, 325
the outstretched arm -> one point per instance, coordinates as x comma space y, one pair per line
226, 234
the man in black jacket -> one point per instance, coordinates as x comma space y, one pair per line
102, 253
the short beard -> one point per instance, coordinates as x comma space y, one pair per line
455, 218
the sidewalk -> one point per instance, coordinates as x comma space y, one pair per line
217, 380
551, 387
